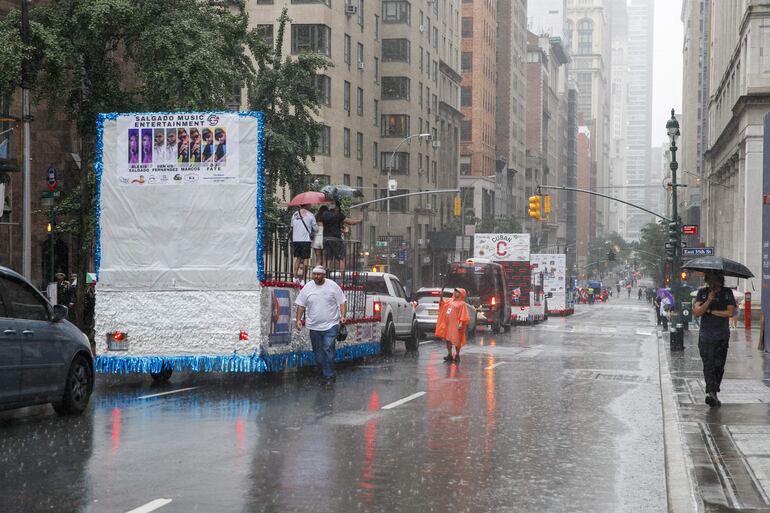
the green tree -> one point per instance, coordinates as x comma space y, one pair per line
599, 248
498, 225
284, 88
652, 250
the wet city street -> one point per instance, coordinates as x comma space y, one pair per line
564, 416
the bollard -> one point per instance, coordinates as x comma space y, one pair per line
747, 311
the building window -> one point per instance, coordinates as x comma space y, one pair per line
326, 2
466, 130
466, 96
324, 145
396, 204
375, 155
264, 2
376, 27
346, 97
359, 146
465, 165
467, 27
376, 109
585, 36
400, 162
467, 194
360, 14
394, 125
346, 142
347, 50
395, 11
395, 88
395, 50
376, 70
323, 85
585, 93
311, 38
360, 101
360, 56
266, 33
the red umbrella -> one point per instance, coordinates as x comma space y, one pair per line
309, 198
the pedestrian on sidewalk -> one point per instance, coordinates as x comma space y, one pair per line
323, 305
714, 304
452, 321
665, 308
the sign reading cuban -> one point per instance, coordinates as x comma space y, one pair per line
697, 251
502, 247
177, 148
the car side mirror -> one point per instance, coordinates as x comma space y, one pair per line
60, 312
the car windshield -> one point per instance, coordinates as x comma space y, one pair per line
376, 285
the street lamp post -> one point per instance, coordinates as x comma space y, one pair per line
676, 338
387, 189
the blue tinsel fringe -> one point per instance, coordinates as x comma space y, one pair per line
231, 363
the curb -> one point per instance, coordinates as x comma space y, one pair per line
680, 487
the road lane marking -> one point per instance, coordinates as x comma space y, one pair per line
495, 365
167, 393
151, 506
402, 401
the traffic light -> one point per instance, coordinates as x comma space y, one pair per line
49, 228
683, 275
673, 231
547, 204
534, 207
610, 256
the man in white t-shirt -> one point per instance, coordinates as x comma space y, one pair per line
303, 228
323, 305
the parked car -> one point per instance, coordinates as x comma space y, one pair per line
386, 298
426, 302
43, 357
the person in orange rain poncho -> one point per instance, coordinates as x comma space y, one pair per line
451, 323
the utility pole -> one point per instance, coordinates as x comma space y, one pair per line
676, 337
26, 219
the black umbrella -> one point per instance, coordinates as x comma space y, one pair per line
341, 191
723, 265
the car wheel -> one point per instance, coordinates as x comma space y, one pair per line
413, 342
388, 342
163, 376
77, 388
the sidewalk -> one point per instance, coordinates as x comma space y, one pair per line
717, 459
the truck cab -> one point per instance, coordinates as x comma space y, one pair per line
387, 299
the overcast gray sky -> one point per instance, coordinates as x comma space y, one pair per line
666, 66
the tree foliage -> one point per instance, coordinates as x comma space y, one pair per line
652, 245
284, 89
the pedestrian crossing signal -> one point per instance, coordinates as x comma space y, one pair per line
458, 206
683, 275
534, 207
547, 204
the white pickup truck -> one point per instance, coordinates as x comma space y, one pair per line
386, 298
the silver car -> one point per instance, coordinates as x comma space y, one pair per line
426, 302
43, 357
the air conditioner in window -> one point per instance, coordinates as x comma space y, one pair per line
360, 65
422, 28
436, 144
350, 10
421, 243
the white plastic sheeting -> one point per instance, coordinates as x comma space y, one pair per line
181, 236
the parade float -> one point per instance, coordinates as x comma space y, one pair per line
184, 276
553, 268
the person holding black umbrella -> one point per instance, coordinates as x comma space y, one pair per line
714, 304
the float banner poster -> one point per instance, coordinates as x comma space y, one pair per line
553, 267
502, 247
766, 230
177, 201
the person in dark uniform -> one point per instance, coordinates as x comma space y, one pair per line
714, 305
